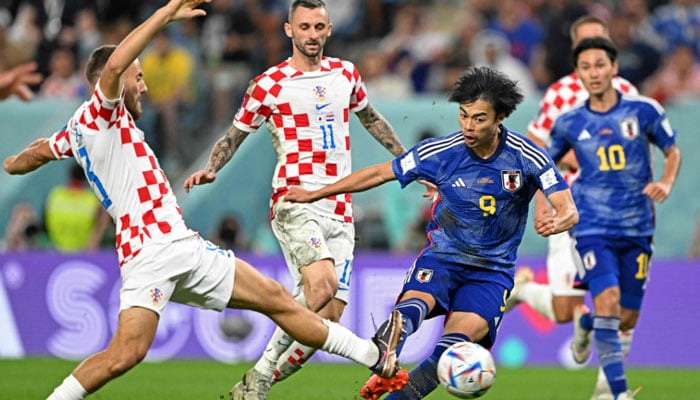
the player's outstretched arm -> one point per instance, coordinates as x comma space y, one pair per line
659, 191
222, 152
136, 41
32, 157
380, 129
358, 181
563, 218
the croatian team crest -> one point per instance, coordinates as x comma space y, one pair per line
320, 93
314, 243
156, 296
511, 180
629, 127
424, 275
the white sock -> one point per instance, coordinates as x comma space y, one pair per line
292, 360
539, 297
278, 344
343, 342
70, 389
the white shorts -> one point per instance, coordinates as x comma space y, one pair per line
306, 237
561, 267
190, 271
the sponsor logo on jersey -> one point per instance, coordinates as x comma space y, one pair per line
511, 180
156, 296
424, 275
629, 127
459, 183
585, 135
485, 180
322, 106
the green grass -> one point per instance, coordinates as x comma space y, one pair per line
173, 380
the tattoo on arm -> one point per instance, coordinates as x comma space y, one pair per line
225, 148
380, 128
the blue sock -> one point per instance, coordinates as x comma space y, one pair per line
413, 312
423, 378
587, 321
607, 344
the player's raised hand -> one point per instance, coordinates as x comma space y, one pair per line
183, 9
296, 194
199, 178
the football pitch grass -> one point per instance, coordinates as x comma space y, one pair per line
174, 380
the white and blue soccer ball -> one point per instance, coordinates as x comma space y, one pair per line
466, 370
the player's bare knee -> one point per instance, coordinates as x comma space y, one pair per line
126, 360
318, 296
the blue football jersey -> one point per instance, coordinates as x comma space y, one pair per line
480, 216
614, 153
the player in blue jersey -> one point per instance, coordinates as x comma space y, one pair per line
486, 176
611, 134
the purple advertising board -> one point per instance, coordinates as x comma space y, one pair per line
66, 306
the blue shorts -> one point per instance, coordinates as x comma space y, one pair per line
458, 287
615, 261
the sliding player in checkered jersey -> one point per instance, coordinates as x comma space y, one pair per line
611, 135
305, 102
161, 259
486, 176
557, 299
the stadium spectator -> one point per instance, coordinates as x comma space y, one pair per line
74, 219
229, 234
490, 48
616, 174
678, 79
636, 59
465, 270
169, 68
64, 81
11, 54
24, 230
17, 81
305, 101
515, 20
382, 83
160, 258
678, 23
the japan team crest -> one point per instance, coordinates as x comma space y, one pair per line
424, 275
629, 127
511, 180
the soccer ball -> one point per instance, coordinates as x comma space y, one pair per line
466, 370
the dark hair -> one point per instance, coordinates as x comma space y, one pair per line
96, 62
483, 83
310, 4
595, 43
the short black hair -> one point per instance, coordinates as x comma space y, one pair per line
97, 61
484, 83
310, 4
598, 42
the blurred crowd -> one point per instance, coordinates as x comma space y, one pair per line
198, 70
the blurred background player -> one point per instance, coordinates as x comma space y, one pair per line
557, 299
160, 258
486, 176
611, 135
305, 102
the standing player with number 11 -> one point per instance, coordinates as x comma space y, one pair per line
305, 101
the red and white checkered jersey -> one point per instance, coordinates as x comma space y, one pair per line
308, 116
559, 98
123, 172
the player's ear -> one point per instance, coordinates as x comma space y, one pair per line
288, 30
330, 28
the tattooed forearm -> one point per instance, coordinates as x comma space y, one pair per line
380, 128
225, 148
